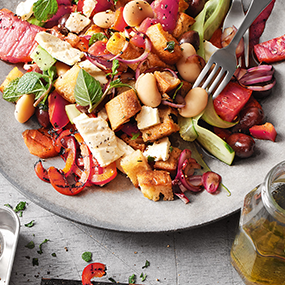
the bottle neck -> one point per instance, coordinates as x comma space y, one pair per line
273, 186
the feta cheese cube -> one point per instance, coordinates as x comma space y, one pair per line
88, 7
59, 49
147, 117
76, 22
25, 9
160, 150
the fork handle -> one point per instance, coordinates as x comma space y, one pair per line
254, 10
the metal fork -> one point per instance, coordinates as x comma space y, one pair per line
224, 60
235, 17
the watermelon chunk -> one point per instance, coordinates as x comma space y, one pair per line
17, 37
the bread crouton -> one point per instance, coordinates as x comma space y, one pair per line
165, 81
183, 5
121, 108
163, 129
13, 74
133, 164
153, 183
160, 40
65, 84
183, 24
169, 165
137, 143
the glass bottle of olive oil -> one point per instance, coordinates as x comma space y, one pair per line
258, 251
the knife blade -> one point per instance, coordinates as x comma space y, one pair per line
52, 281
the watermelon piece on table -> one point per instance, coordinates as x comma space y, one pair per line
17, 37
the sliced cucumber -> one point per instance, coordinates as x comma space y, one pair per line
210, 116
214, 144
42, 58
187, 130
72, 112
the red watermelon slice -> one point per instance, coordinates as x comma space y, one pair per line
17, 37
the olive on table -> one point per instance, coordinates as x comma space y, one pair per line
248, 118
191, 37
195, 7
242, 144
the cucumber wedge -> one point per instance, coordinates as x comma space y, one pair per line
72, 112
187, 130
42, 58
214, 144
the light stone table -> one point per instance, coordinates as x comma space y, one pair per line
198, 256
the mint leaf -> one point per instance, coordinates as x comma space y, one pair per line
88, 91
20, 207
30, 83
10, 93
132, 279
143, 277
97, 37
30, 245
45, 9
87, 256
30, 224
146, 264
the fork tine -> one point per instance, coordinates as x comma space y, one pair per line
223, 72
222, 85
211, 75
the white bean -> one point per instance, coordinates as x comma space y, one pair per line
196, 101
104, 19
24, 108
188, 66
147, 90
136, 11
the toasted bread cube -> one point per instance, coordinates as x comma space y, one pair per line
136, 143
13, 74
133, 164
153, 183
121, 108
169, 165
160, 39
165, 81
183, 24
164, 129
94, 29
65, 84
183, 5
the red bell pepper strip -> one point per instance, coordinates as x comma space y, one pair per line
231, 100
41, 171
59, 181
95, 269
71, 156
264, 132
58, 141
119, 22
271, 51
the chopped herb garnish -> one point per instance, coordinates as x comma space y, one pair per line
150, 159
35, 261
132, 279
30, 224
8, 205
143, 276
178, 88
112, 280
40, 246
20, 207
30, 245
87, 256
170, 46
53, 254
146, 264
97, 37
135, 136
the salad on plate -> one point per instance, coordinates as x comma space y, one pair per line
110, 84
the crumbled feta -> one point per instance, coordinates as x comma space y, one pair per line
100, 139
88, 7
93, 70
76, 22
59, 49
25, 9
160, 150
147, 117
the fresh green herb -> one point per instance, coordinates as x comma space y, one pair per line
87, 256
170, 46
143, 276
88, 91
35, 261
40, 246
171, 148
150, 159
53, 254
97, 37
20, 207
112, 280
30, 224
146, 264
115, 66
30, 245
34, 21
115, 2
132, 279
178, 88
135, 136
10, 93
8, 205
45, 9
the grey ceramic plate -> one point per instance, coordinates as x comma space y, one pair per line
121, 207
